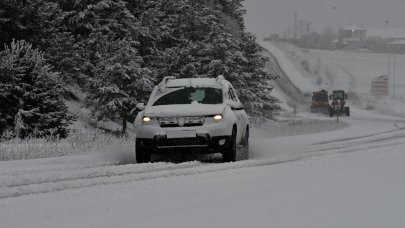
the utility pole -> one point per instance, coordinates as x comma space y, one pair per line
394, 71
334, 9
295, 25
391, 55
301, 27
389, 62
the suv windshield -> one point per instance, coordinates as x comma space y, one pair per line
203, 95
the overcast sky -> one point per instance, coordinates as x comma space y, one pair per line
275, 16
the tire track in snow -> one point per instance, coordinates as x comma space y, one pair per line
396, 136
55, 168
133, 177
360, 137
378, 143
356, 116
182, 169
27, 184
90, 173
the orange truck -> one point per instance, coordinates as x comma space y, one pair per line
320, 102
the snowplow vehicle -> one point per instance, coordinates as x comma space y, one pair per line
320, 102
338, 103
192, 115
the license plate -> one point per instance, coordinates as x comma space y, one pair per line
181, 134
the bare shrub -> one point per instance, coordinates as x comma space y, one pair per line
78, 142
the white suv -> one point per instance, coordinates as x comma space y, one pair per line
191, 115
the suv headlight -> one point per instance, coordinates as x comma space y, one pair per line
213, 119
217, 117
149, 120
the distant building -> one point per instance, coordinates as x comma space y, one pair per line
391, 34
391, 39
354, 32
353, 36
378, 40
397, 46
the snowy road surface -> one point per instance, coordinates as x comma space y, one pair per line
353, 177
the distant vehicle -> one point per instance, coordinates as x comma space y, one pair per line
320, 102
338, 103
202, 115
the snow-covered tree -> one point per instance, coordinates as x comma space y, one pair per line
42, 23
205, 39
119, 81
30, 93
116, 49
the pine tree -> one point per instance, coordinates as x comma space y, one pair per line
192, 38
120, 81
106, 34
42, 23
31, 93
256, 91
116, 49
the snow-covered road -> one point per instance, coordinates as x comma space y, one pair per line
354, 176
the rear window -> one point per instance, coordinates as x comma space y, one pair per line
338, 95
188, 95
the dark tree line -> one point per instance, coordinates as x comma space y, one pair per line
117, 50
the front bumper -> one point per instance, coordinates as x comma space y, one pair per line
202, 139
202, 144
212, 129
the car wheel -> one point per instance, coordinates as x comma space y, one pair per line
229, 155
243, 152
142, 156
347, 111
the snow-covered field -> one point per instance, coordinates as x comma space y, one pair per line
306, 171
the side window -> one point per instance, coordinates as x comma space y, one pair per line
230, 94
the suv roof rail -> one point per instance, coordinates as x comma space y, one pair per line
220, 78
167, 78
163, 83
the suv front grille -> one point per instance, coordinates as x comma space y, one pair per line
188, 121
182, 142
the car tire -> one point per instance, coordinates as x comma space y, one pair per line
245, 144
141, 155
347, 110
229, 155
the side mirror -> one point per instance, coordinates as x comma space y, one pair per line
238, 106
140, 106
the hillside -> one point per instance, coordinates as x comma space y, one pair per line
351, 71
